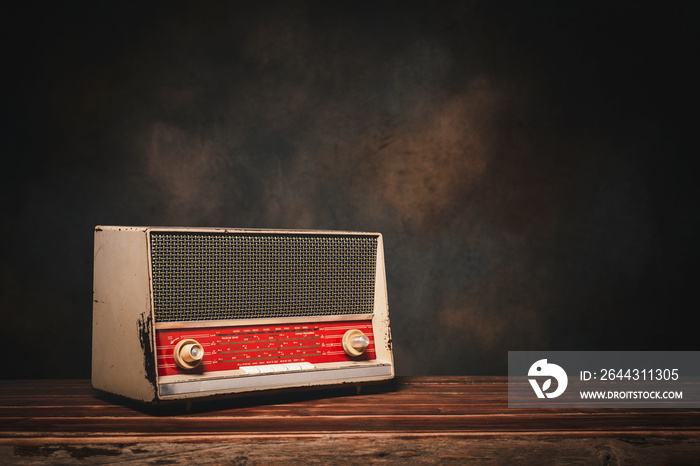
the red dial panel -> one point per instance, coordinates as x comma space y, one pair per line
229, 348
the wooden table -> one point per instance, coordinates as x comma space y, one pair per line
411, 420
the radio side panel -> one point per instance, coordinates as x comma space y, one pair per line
123, 359
381, 311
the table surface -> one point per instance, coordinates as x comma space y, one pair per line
410, 420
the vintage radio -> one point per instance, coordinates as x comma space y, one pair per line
186, 313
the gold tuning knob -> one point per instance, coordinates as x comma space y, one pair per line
188, 354
355, 342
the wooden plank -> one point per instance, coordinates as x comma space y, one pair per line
411, 420
273, 425
361, 450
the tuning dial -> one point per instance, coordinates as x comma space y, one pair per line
188, 354
355, 342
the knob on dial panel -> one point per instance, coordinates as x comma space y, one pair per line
355, 342
188, 354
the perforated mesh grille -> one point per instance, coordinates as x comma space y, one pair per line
241, 276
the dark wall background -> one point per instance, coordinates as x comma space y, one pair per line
530, 163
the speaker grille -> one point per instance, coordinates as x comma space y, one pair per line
202, 276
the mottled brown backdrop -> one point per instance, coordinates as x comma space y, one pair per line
529, 162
